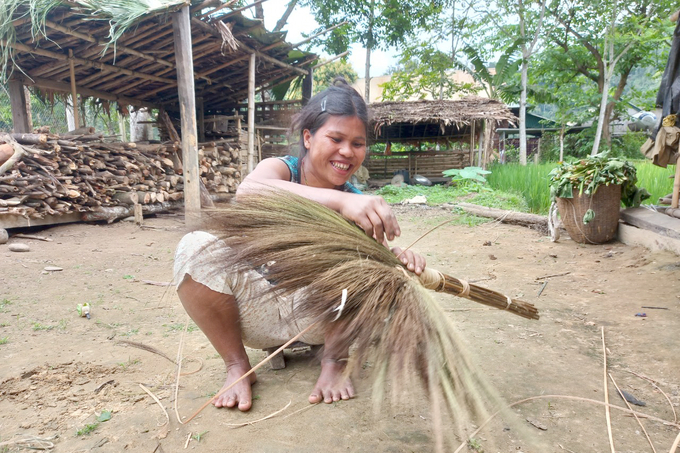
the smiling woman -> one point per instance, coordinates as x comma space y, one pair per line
241, 306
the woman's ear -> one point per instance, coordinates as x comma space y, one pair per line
307, 138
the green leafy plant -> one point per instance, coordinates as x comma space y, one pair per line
4, 340
197, 437
87, 429
467, 174
589, 173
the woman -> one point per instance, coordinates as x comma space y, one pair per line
229, 308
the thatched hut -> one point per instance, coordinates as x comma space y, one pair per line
452, 130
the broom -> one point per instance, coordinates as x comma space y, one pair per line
385, 311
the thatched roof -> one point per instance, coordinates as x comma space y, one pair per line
434, 120
129, 56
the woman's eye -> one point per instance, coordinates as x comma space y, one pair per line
335, 139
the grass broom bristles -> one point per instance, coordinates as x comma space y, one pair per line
389, 318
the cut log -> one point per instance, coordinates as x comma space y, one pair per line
126, 197
85, 130
533, 221
30, 139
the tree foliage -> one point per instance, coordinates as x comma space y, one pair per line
323, 76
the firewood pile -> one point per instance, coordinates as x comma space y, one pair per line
50, 174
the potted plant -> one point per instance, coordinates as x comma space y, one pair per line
589, 193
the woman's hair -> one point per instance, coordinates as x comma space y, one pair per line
339, 99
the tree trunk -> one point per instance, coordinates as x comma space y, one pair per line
369, 45
523, 112
284, 18
601, 116
562, 131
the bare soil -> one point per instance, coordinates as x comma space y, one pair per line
59, 371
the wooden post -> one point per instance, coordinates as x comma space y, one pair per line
74, 92
479, 145
181, 26
17, 99
308, 87
472, 142
201, 119
121, 126
251, 114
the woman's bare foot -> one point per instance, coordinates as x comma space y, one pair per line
241, 394
332, 385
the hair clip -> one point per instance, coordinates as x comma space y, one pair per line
323, 104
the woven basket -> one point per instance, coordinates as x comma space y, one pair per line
605, 203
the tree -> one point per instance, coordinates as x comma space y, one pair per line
324, 75
499, 82
375, 24
424, 71
426, 65
604, 42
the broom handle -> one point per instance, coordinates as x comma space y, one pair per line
433, 279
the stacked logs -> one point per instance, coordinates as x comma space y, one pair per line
58, 174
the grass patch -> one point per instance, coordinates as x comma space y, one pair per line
87, 429
61, 325
129, 363
4, 340
529, 182
4, 303
436, 195
655, 179
180, 326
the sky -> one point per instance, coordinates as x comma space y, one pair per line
302, 21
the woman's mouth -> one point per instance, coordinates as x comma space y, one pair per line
340, 166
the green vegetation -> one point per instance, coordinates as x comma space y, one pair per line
4, 340
197, 437
87, 429
520, 188
180, 326
38, 326
4, 303
128, 364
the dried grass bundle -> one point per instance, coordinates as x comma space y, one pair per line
388, 316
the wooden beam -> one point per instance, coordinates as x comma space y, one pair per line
243, 8
17, 99
84, 62
212, 11
304, 41
209, 29
53, 85
118, 47
308, 86
74, 92
251, 114
181, 25
323, 63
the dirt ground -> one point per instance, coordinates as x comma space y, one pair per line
59, 371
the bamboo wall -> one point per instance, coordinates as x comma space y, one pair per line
429, 164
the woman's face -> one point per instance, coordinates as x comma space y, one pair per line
335, 151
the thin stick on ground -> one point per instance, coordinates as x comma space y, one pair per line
167, 417
273, 414
636, 417
567, 397
606, 395
179, 369
301, 410
252, 370
675, 444
653, 382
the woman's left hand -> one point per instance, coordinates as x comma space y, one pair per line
413, 261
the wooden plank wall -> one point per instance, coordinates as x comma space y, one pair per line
428, 164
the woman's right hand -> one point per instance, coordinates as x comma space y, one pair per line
372, 214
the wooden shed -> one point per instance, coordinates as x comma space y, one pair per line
456, 134
196, 61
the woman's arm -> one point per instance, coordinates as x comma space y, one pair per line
370, 213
